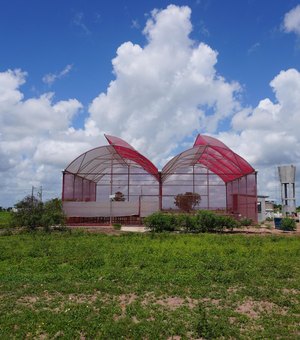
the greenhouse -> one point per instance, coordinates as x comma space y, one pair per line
116, 182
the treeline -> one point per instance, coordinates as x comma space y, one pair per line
6, 209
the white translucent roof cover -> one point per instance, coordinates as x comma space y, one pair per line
98, 162
182, 161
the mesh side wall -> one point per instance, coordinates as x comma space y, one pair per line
75, 188
68, 184
241, 197
78, 189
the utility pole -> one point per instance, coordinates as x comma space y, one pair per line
40, 194
32, 194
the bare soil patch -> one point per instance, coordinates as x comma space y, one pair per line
253, 309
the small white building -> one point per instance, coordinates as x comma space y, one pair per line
265, 208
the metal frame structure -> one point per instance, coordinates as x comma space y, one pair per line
223, 179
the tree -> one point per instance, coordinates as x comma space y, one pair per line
33, 213
28, 213
119, 197
277, 207
187, 201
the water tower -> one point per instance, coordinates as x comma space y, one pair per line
288, 197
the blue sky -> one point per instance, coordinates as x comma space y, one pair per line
43, 37
66, 48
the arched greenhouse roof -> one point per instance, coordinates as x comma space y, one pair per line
208, 151
97, 162
214, 155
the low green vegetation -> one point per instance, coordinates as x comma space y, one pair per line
246, 222
202, 221
288, 224
94, 286
117, 226
5, 219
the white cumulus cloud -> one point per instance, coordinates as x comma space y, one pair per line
268, 135
33, 133
291, 21
163, 89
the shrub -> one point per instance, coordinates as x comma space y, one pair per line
32, 213
159, 222
185, 222
187, 201
207, 221
28, 213
119, 197
53, 214
228, 222
117, 226
288, 224
245, 221
203, 221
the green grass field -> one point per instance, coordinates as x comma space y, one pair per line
5, 218
95, 286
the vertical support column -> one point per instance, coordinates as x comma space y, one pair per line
207, 189
160, 191
247, 196
140, 200
238, 196
226, 198
73, 187
111, 189
90, 191
193, 179
286, 193
111, 176
294, 194
63, 187
128, 183
255, 193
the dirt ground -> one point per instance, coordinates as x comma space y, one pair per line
265, 229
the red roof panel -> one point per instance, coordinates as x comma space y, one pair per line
232, 165
126, 151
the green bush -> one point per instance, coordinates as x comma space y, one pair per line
117, 226
245, 221
159, 222
53, 214
207, 221
228, 222
32, 213
288, 224
28, 213
185, 222
203, 221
